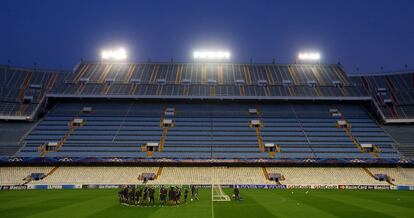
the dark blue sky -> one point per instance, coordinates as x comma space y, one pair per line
362, 33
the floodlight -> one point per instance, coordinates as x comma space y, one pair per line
309, 56
211, 55
119, 54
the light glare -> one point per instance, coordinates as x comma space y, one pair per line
211, 55
309, 56
117, 55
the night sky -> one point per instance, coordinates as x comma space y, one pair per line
364, 34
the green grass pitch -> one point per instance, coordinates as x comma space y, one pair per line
256, 203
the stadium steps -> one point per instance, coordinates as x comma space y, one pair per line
52, 171
159, 172
373, 176
369, 173
46, 175
266, 175
348, 132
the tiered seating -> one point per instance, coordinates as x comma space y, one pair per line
96, 175
15, 175
207, 130
110, 130
393, 93
324, 176
209, 79
307, 131
212, 175
22, 90
399, 176
404, 135
11, 134
206, 175
210, 130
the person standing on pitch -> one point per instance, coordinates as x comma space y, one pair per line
185, 195
138, 195
164, 194
171, 195
177, 195
194, 193
161, 196
236, 193
151, 192
145, 197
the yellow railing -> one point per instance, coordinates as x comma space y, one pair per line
203, 74
220, 74
212, 91
164, 135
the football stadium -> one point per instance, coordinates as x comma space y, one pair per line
211, 136
267, 130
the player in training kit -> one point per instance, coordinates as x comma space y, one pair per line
185, 195
151, 193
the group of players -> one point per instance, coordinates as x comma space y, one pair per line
145, 195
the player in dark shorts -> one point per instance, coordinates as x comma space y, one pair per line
171, 195
163, 195
194, 193
131, 196
138, 195
236, 193
145, 196
185, 195
151, 193
177, 195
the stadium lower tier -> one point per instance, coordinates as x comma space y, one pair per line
208, 130
208, 175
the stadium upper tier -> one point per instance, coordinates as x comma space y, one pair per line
208, 130
208, 80
23, 90
393, 93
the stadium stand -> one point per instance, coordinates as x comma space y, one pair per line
11, 135
211, 175
17, 175
209, 80
23, 90
392, 92
404, 136
207, 175
324, 176
205, 123
208, 130
96, 175
400, 176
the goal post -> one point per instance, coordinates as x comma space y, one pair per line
217, 193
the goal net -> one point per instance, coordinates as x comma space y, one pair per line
217, 194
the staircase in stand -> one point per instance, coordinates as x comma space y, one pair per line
43, 148
348, 132
159, 171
